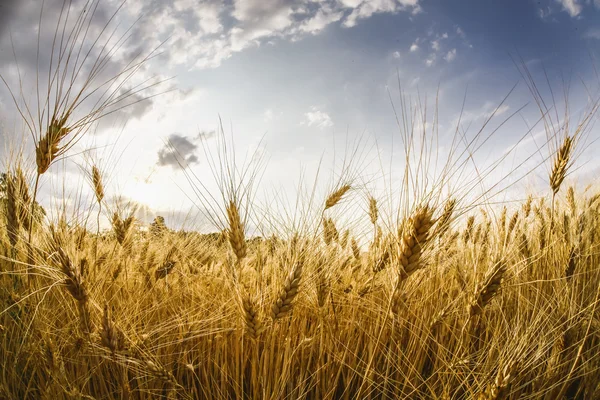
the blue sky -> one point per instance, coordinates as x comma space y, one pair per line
296, 78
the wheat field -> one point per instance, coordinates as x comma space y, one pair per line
449, 299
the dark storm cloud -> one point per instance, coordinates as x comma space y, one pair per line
178, 153
8, 10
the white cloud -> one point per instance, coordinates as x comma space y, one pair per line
366, 8
205, 34
460, 32
435, 45
322, 18
431, 59
414, 47
351, 3
450, 56
396, 54
317, 118
572, 7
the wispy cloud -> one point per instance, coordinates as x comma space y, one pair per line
450, 56
573, 7
318, 118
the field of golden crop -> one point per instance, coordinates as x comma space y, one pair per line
448, 299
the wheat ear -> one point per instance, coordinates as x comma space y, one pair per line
288, 293
250, 313
97, 182
373, 211
561, 164
235, 233
487, 289
415, 238
110, 336
336, 196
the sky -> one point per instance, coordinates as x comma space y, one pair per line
297, 84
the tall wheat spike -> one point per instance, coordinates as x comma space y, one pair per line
487, 288
500, 389
111, 336
443, 222
283, 303
415, 238
251, 317
236, 231
336, 196
97, 182
373, 211
562, 159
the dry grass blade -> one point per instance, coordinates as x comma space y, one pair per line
12, 216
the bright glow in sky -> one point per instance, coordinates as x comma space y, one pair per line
298, 80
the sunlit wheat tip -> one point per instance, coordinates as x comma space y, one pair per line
97, 181
561, 164
336, 196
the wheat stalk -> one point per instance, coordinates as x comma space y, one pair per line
235, 233
167, 265
373, 212
97, 182
561, 164
111, 336
443, 222
251, 317
487, 289
288, 293
500, 389
415, 238
355, 249
335, 197
74, 282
